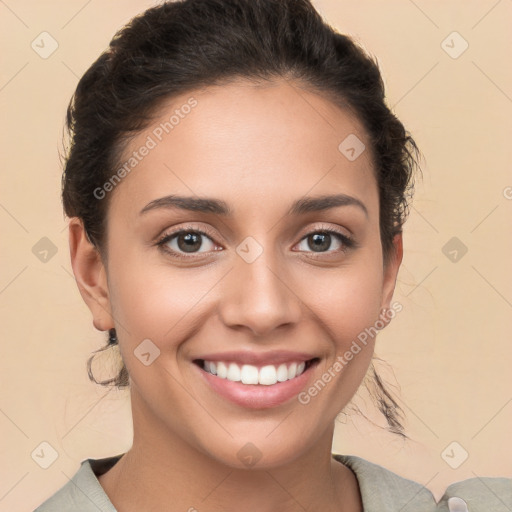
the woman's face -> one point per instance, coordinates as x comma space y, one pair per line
265, 287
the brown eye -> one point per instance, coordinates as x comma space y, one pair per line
186, 241
321, 241
189, 242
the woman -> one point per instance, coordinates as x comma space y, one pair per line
237, 187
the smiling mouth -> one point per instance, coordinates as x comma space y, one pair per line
249, 374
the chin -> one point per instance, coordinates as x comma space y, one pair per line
257, 452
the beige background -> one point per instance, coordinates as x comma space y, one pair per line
450, 347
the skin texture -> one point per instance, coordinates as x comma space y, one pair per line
258, 148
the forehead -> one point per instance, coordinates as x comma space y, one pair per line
240, 141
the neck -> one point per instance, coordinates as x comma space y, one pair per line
163, 472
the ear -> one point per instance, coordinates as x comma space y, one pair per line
90, 275
390, 275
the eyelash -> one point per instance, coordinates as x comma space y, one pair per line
348, 242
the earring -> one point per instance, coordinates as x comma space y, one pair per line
112, 337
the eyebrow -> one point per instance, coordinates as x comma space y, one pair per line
219, 207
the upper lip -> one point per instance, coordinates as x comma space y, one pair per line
273, 357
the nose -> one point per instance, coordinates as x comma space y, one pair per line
259, 296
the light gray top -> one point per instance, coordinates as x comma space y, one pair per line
381, 491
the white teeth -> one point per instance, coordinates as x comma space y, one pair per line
268, 375
248, 374
233, 372
222, 370
292, 371
282, 373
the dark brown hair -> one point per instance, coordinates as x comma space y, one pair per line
180, 46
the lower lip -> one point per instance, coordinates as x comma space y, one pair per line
257, 396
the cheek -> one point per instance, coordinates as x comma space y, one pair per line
346, 305
346, 301
160, 307
158, 301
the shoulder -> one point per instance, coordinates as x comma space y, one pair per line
382, 490
83, 492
